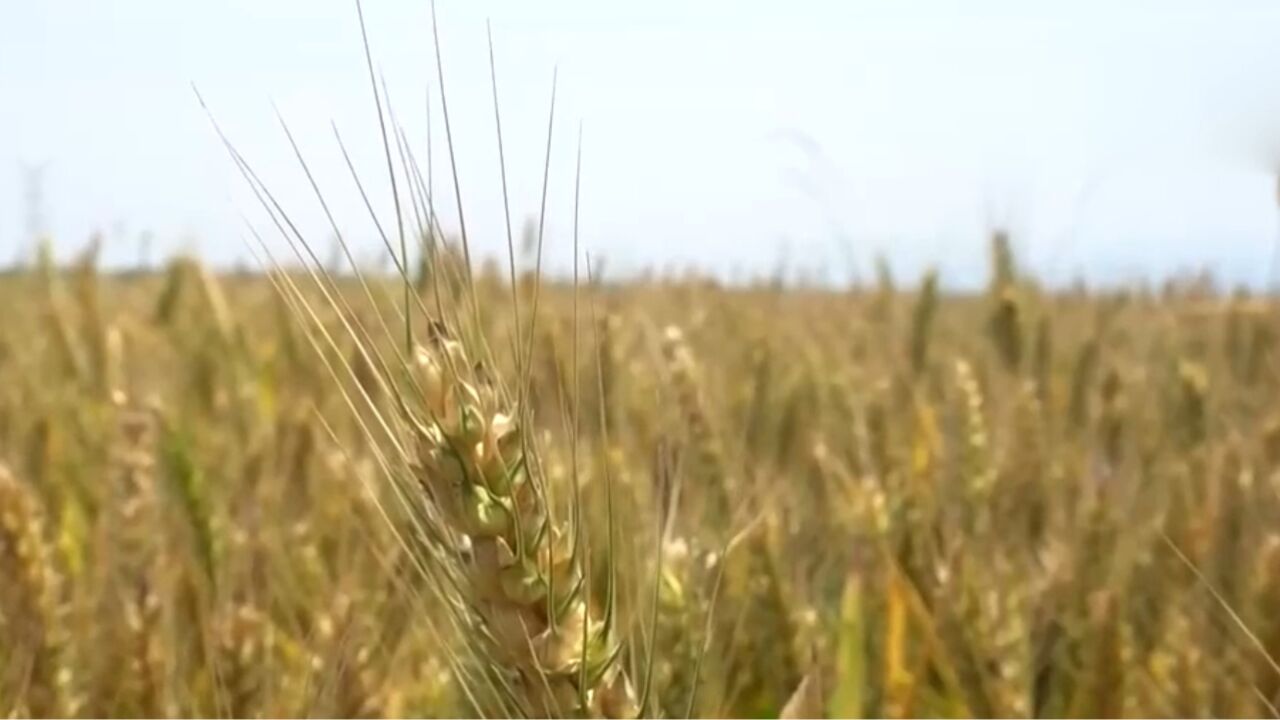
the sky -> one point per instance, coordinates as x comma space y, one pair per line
1115, 140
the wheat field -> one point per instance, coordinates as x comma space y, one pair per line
278, 494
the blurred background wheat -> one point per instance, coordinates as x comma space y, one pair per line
1013, 503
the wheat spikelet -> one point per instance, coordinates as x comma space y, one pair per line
130, 591
1004, 268
1024, 502
524, 574
977, 466
754, 578
1005, 327
1111, 422
57, 318
346, 684
1102, 687
1042, 360
93, 328
709, 456
1191, 409
922, 322
1005, 626
1082, 379
882, 302
175, 280
242, 644
35, 677
215, 302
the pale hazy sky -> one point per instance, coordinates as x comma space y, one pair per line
1114, 138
